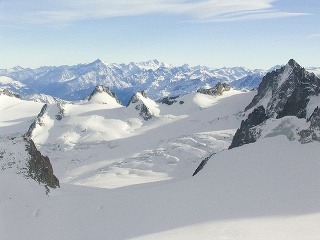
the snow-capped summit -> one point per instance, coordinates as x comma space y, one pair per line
151, 65
103, 95
146, 107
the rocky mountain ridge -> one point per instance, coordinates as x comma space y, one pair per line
284, 92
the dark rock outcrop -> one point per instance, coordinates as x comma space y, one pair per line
168, 100
39, 167
135, 98
287, 90
61, 113
283, 92
216, 91
201, 165
247, 133
38, 120
9, 93
313, 132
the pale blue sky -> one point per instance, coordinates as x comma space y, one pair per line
216, 33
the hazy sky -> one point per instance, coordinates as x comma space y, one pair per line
216, 33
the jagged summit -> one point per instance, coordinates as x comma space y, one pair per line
136, 97
102, 94
283, 92
286, 91
146, 107
293, 63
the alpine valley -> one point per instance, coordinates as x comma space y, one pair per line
152, 151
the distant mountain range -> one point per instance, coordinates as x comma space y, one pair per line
156, 78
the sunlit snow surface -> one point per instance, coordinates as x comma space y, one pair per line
106, 145
126, 178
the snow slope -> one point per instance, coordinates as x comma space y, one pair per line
122, 177
237, 196
101, 146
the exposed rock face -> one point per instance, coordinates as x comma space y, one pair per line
135, 98
38, 120
286, 91
39, 167
139, 100
61, 113
313, 133
144, 112
247, 133
216, 91
283, 92
202, 164
10, 94
168, 100
101, 89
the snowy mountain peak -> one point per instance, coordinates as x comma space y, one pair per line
150, 65
102, 94
146, 107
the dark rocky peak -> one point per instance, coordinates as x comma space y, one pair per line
103, 89
168, 100
9, 93
292, 63
286, 91
282, 92
215, 91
